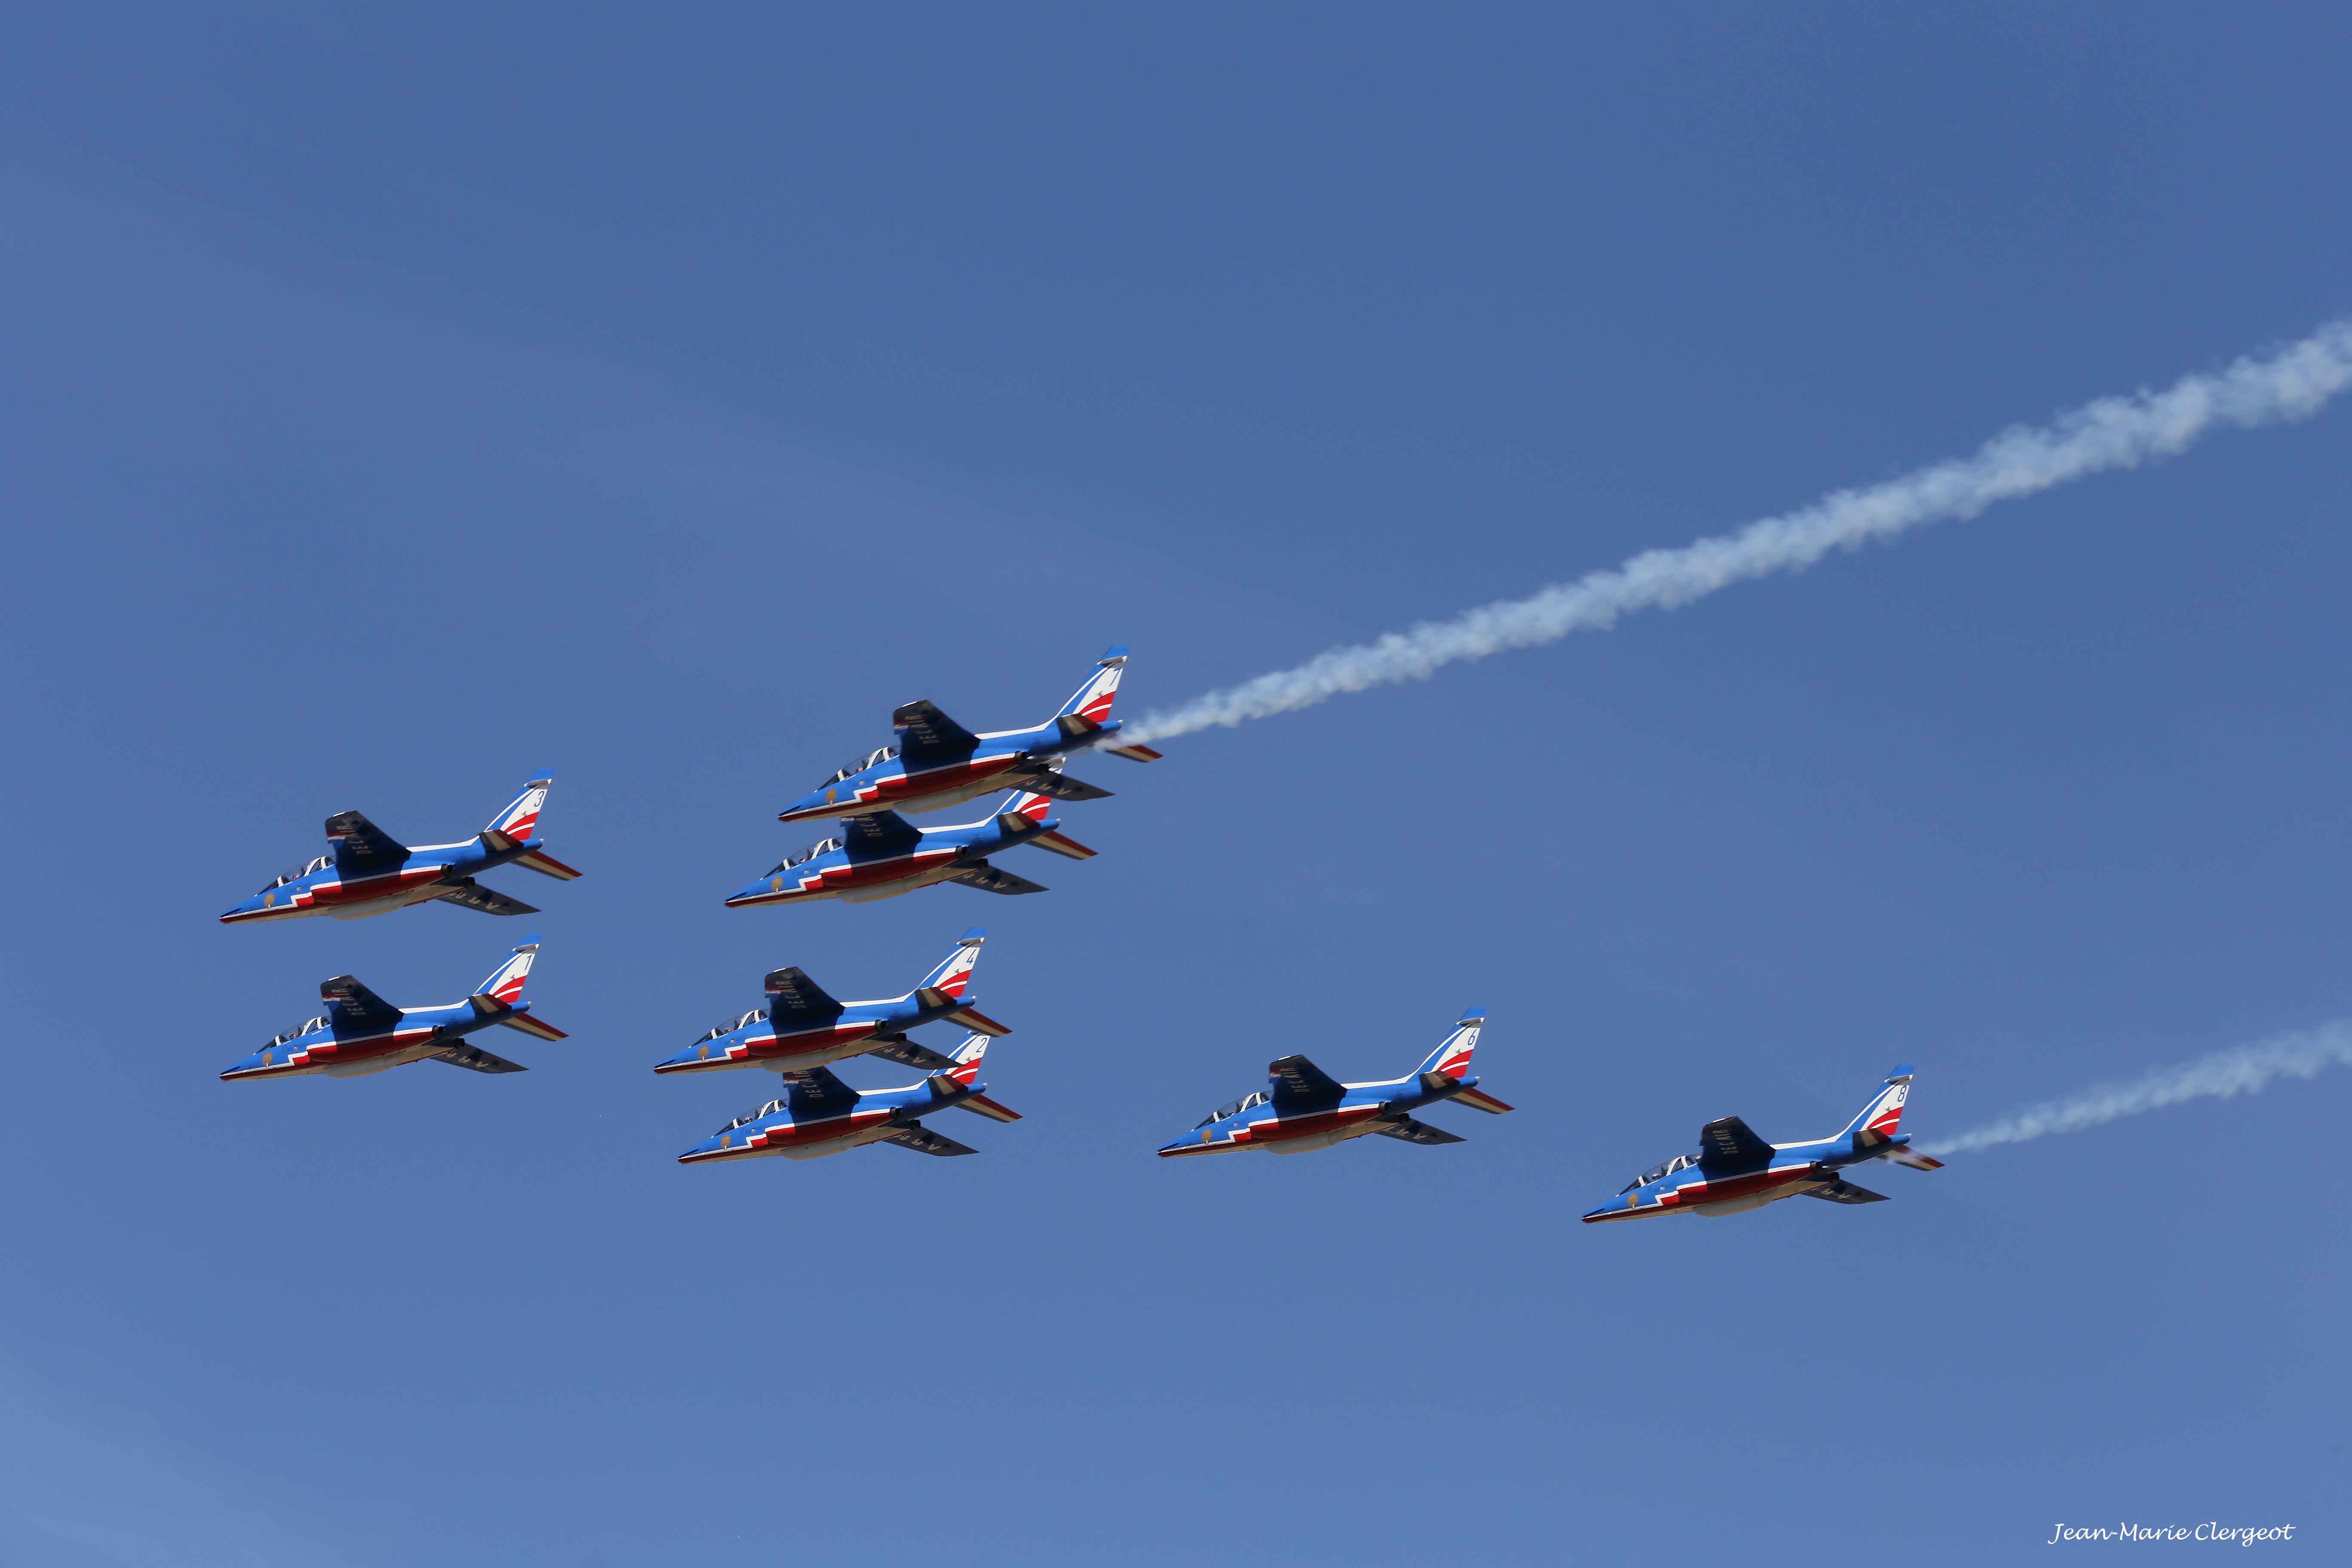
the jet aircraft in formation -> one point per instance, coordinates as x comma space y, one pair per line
1303, 1108
882, 855
803, 1029
937, 763
363, 1033
819, 1114
879, 854
1735, 1170
366, 872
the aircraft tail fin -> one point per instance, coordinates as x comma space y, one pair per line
952, 976
1036, 808
965, 1073
520, 817
506, 982
1092, 702
1882, 1119
1445, 1070
499, 998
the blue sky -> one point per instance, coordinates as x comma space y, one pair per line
397, 401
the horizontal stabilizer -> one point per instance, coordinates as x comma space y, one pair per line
1913, 1158
923, 1141
1055, 786
1062, 844
905, 1053
1413, 1131
979, 1023
539, 1028
1134, 754
988, 880
1730, 1141
471, 895
356, 838
546, 865
980, 1105
1844, 1192
476, 1058
1479, 1099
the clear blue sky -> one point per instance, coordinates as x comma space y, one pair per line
396, 400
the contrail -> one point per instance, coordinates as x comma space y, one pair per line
2111, 433
2245, 1070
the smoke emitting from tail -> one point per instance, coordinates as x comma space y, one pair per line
2245, 1070
2111, 433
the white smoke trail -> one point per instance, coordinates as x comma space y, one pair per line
2112, 433
2245, 1070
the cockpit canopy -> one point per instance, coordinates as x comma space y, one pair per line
749, 1117
857, 765
821, 847
1659, 1172
297, 1032
726, 1026
1247, 1103
297, 873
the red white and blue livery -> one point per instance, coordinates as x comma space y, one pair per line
1303, 1108
937, 763
882, 855
1735, 1171
818, 1114
363, 1033
802, 1028
366, 872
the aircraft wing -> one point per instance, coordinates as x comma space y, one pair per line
1844, 1192
924, 730
1730, 1141
923, 1141
1413, 1131
988, 880
799, 996
480, 1060
879, 833
349, 831
1294, 1081
471, 895
1055, 787
905, 1053
353, 1004
816, 1091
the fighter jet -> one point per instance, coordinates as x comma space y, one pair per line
882, 855
937, 763
802, 1028
363, 1033
819, 1114
1735, 1170
1301, 1107
367, 871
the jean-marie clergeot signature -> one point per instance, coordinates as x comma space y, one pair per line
2211, 1531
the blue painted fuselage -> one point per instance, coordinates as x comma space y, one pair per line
350, 889
349, 1050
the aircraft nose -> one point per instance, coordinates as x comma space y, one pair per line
703, 1150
